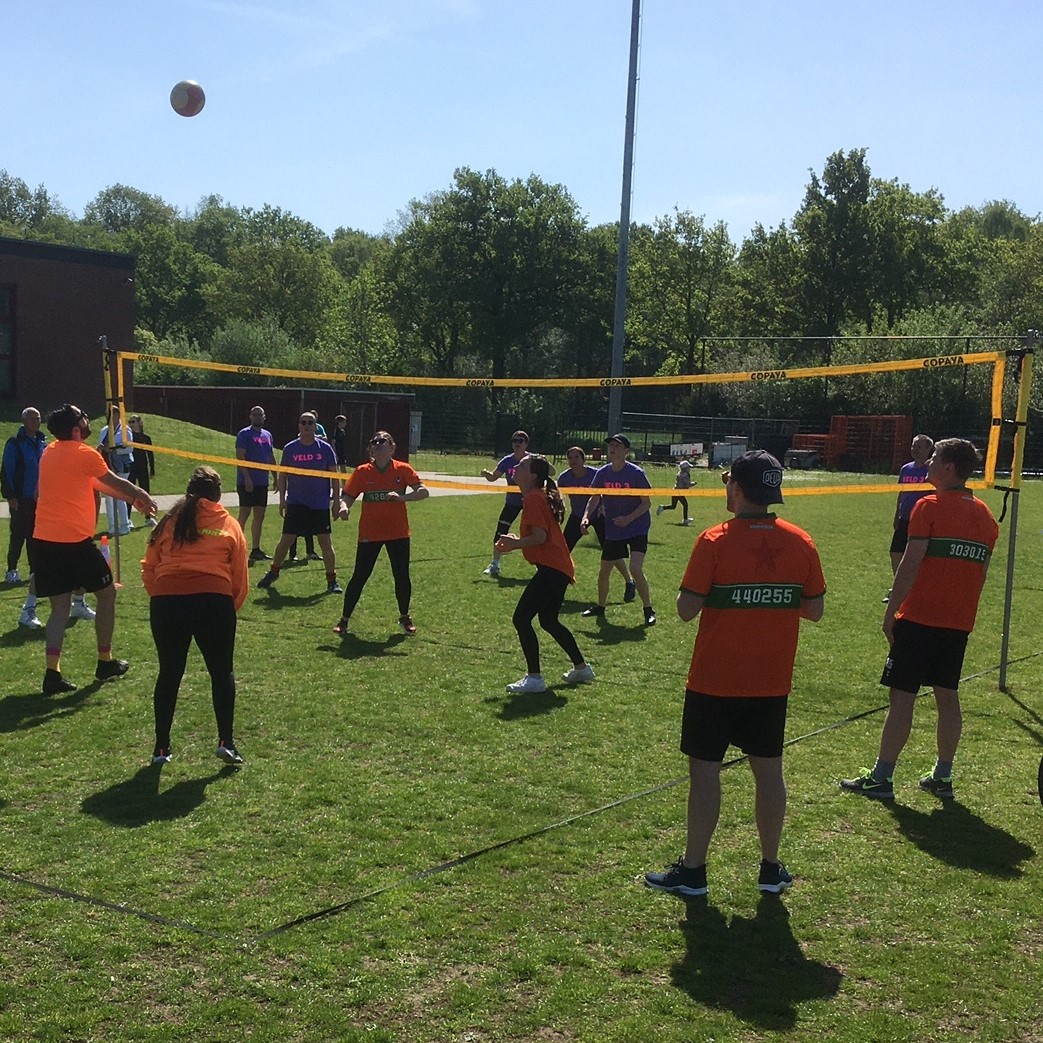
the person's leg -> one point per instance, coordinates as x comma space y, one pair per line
553, 585
637, 570
256, 527
244, 515
683, 500
524, 613
896, 560
61, 604
769, 804
18, 536
280, 550
950, 723
897, 726
365, 558
214, 632
329, 556
604, 572
570, 532
704, 809
398, 555
170, 618
105, 619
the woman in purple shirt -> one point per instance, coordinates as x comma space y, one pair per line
513, 503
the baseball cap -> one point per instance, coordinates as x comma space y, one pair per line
685, 464
759, 475
621, 439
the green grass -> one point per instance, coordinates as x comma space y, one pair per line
371, 762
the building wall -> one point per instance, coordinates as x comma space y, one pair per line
63, 300
227, 409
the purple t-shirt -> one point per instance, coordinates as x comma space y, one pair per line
629, 476
260, 449
910, 474
577, 501
309, 492
506, 466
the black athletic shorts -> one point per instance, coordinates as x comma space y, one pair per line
712, 723
305, 521
616, 550
572, 533
61, 568
924, 656
901, 536
256, 497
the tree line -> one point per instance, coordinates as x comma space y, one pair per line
506, 278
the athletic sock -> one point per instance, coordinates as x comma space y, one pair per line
77, 599
331, 577
883, 770
54, 659
942, 770
30, 603
105, 654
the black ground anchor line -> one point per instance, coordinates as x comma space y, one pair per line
117, 907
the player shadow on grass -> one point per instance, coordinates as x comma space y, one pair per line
1030, 730
516, 707
953, 834
137, 801
352, 647
753, 967
20, 712
275, 599
611, 632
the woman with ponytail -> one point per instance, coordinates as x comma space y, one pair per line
195, 571
543, 545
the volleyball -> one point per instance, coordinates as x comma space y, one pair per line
187, 98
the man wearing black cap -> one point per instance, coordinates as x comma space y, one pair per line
627, 521
750, 580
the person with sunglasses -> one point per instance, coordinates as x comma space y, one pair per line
385, 485
304, 500
512, 505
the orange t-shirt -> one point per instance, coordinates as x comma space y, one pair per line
553, 552
66, 511
753, 573
960, 532
213, 564
382, 519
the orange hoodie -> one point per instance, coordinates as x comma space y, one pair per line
214, 564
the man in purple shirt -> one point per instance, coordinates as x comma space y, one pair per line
627, 521
912, 473
254, 444
304, 501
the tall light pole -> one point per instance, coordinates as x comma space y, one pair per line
615, 395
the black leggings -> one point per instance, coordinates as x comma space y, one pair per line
365, 558
674, 501
542, 597
506, 520
210, 619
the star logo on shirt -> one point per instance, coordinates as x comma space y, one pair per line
765, 558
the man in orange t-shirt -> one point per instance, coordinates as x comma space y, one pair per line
72, 475
930, 615
750, 580
386, 485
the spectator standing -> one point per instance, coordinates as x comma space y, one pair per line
143, 466
254, 444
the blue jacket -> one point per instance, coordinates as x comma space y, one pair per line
21, 471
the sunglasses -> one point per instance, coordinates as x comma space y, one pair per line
380, 441
307, 423
519, 441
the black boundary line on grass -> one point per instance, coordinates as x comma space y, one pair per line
116, 907
441, 867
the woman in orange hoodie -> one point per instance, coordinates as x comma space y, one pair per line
195, 571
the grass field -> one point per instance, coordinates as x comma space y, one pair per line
411, 854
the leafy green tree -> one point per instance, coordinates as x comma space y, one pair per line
352, 250
214, 229
24, 212
768, 295
120, 208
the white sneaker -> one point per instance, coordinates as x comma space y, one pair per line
493, 569
13, 577
150, 522
28, 619
659, 510
579, 674
81, 610
530, 684
687, 521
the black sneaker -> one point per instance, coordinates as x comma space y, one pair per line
342, 626
678, 879
593, 610
774, 877
333, 587
258, 555
312, 556
109, 668
267, 580
649, 616
54, 683
870, 787
227, 752
939, 787
630, 592
161, 755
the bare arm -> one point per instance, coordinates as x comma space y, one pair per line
124, 490
812, 608
689, 605
908, 569
509, 541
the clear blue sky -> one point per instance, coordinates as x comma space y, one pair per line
341, 111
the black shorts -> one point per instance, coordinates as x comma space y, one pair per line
712, 723
617, 550
923, 655
305, 521
61, 568
256, 497
572, 533
901, 536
